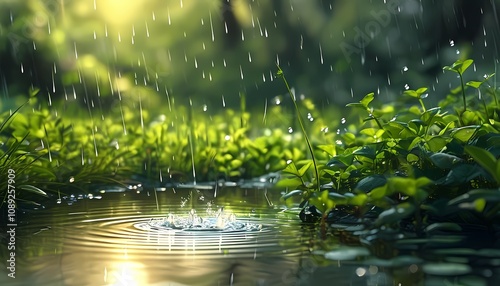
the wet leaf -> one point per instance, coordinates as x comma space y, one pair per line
485, 159
292, 169
366, 151
292, 194
371, 182
289, 182
429, 115
444, 160
443, 226
395, 214
446, 269
304, 168
437, 143
464, 134
459, 66
33, 189
347, 253
367, 99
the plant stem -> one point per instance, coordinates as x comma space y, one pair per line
301, 123
463, 91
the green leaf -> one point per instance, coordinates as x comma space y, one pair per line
32, 189
406, 186
366, 151
416, 93
395, 214
485, 159
329, 149
497, 174
367, 99
292, 169
304, 168
378, 193
371, 182
459, 66
291, 194
463, 134
423, 181
358, 200
437, 143
289, 182
464, 66
411, 93
355, 104
429, 115
487, 194
479, 204
422, 90
474, 83
444, 160
469, 117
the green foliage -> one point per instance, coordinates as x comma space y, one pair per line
405, 161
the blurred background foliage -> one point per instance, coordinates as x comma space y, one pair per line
213, 51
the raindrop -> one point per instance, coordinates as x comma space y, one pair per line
405, 68
407, 87
211, 25
22, 68
147, 30
452, 43
53, 84
76, 53
241, 72
153, 15
260, 28
249, 57
321, 54
170, 22
290, 129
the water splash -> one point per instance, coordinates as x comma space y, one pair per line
219, 221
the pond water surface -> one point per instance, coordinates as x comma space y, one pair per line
97, 242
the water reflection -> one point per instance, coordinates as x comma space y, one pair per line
96, 242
